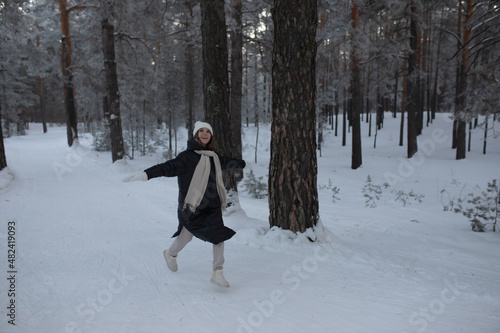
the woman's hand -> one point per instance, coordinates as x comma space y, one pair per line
135, 178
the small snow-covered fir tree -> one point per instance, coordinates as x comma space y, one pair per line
254, 186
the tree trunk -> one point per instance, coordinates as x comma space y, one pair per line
418, 87
461, 99
428, 74
356, 98
454, 141
336, 113
236, 82
190, 73
412, 91
42, 104
143, 148
3, 159
424, 54
403, 101
485, 138
67, 71
395, 102
216, 80
293, 200
470, 136
112, 115
344, 109
190, 87
336, 96
434, 105
42, 97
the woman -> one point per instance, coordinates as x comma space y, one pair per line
202, 197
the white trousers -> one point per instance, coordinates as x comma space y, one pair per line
185, 237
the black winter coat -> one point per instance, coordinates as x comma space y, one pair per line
206, 222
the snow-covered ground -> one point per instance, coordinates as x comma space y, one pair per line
88, 247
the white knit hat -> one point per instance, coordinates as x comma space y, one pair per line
200, 124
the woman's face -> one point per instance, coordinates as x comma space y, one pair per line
204, 136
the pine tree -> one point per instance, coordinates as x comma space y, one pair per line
461, 112
293, 199
67, 70
216, 79
236, 81
356, 95
3, 159
412, 90
112, 99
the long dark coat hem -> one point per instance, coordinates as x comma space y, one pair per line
207, 226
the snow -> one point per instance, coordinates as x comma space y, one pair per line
89, 246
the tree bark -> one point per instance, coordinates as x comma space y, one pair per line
403, 101
412, 91
190, 91
457, 76
190, 73
293, 200
434, 104
344, 108
42, 103
236, 82
418, 87
42, 97
356, 96
461, 113
112, 113
3, 159
485, 138
67, 71
216, 80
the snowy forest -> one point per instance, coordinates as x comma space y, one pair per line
132, 73
369, 201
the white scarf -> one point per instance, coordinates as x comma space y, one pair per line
199, 182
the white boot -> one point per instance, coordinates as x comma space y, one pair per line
171, 261
218, 279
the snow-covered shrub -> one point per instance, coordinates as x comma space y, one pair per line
405, 197
447, 200
335, 190
254, 186
481, 209
371, 192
